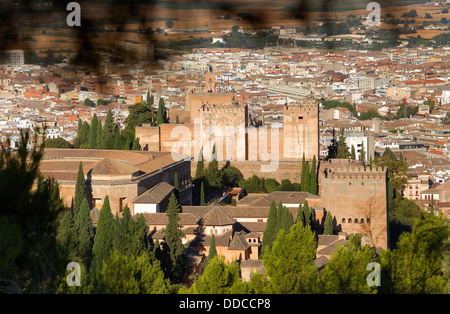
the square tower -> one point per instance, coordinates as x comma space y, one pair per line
300, 131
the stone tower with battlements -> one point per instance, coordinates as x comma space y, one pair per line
224, 125
300, 131
357, 198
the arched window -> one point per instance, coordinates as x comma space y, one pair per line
349, 220
356, 220
343, 220
368, 220
362, 220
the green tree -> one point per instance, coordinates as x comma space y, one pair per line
271, 185
415, 266
200, 170
333, 148
213, 175
290, 264
259, 284
136, 145
104, 236
254, 184
219, 277
80, 190
362, 155
99, 138
303, 173
369, 115
93, 132
313, 186
30, 208
328, 224
129, 274
87, 102
139, 114
346, 272
82, 140
66, 236
300, 216
353, 153
409, 111
100, 102
172, 238
269, 234
231, 176
212, 251
57, 143
202, 195
161, 113
287, 220
286, 185
430, 103
342, 147
84, 233
109, 131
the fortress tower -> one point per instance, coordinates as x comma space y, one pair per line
357, 199
300, 131
224, 125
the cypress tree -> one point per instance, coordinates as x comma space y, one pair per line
332, 149
300, 216
342, 147
77, 140
202, 195
303, 174
117, 234
85, 232
307, 213
100, 141
362, 155
83, 136
161, 114
313, 188
93, 132
117, 141
103, 240
172, 238
353, 153
307, 178
278, 224
109, 131
148, 101
200, 171
328, 224
66, 235
136, 145
286, 219
212, 248
213, 175
80, 190
269, 231
139, 234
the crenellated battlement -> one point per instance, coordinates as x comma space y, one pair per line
340, 171
302, 107
223, 108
